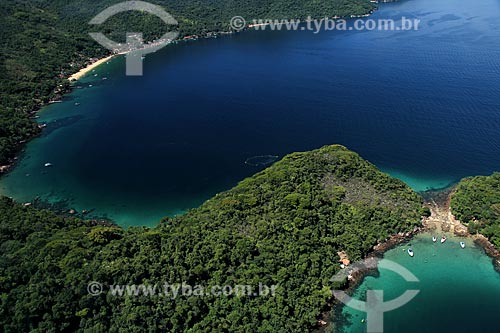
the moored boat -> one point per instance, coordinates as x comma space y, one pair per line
443, 239
434, 239
410, 253
48, 165
462, 245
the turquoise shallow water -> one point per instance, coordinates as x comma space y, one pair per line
422, 105
459, 290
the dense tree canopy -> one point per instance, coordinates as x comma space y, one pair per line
280, 227
476, 203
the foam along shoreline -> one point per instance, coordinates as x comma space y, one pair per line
84, 71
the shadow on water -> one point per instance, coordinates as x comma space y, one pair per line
59, 123
63, 207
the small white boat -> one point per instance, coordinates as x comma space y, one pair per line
434, 239
443, 239
410, 253
48, 165
462, 245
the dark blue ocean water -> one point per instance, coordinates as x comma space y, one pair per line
422, 105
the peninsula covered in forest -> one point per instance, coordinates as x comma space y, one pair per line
281, 227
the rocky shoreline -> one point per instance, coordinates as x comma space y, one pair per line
489, 249
356, 276
441, 220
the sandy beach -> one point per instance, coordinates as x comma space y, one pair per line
82, 72
442, 220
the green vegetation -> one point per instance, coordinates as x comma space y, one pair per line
476, 203
44, 41
280, 227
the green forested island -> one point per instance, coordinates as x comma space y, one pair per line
476, 203
281, 227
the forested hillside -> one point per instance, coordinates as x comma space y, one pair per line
280, 227
44, 41
476, 203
